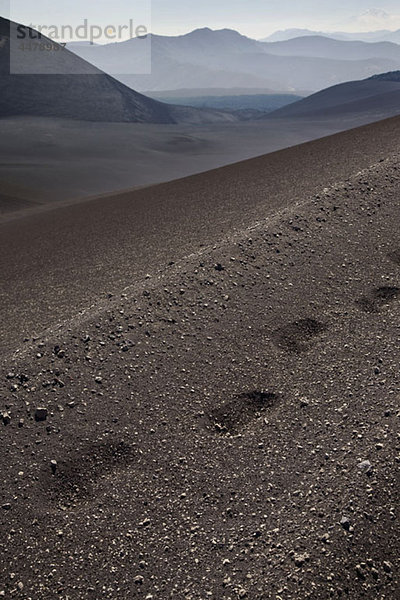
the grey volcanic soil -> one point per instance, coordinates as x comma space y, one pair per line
60, 160
55, 264
227, 426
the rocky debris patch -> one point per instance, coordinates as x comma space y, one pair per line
301, 559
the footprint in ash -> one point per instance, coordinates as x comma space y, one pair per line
394, 256
237, 415
74, 480
297, 336
378, 299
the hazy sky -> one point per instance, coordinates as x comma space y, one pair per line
260, 17
255, 18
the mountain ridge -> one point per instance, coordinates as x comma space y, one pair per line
378, 96
62, 84
205, 57
383, 35
324, 47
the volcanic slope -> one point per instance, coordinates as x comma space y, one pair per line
55, 264
376, 97
225, 427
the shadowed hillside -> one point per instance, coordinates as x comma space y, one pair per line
57, 83
376, 98
391, 76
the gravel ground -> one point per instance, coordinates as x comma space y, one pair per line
55, 264
224, 428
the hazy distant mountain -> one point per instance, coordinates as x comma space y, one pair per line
377, 97
210, 91
200, 59
81, 43
322, 47
78, 90
288, 34
206, 58
371, 36
261, 103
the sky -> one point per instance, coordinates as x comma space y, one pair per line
258, 18
254, 18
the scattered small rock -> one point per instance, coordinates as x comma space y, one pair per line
365, 466
41, 413
360, 572
144, 523
387, 566
345, 523
300, 559
6, 417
